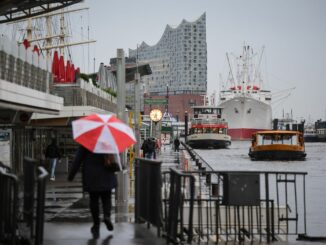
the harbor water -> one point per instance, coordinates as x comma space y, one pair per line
236, 159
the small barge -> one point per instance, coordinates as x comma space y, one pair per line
277, 145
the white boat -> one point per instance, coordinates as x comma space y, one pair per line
246, 104
321, 130
310, 134
208, 129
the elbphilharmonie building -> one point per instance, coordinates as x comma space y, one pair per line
179, 64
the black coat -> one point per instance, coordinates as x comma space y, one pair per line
52, 151
96, 176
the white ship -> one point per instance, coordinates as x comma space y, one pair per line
208, 129
246, 104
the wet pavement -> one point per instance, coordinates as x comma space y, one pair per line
65, 233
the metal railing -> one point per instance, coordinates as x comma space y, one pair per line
33, 209
148, 198
40, 204
179, 187
9, 207
236, 206
30, 229
208, 206
29, 166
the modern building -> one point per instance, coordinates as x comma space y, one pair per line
179, 67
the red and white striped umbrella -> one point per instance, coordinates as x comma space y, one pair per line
103, 133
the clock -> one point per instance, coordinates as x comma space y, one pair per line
155, 115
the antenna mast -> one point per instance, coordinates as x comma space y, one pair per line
231, 72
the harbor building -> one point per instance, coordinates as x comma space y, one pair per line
179, 67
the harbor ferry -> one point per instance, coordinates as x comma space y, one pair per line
208, 129
277, 145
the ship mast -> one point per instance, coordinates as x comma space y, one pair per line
245, 71
49, 32
231, 72
257, 71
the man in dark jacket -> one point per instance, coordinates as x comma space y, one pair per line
98, 181
150, 148
52, 152
144, 147
176, 144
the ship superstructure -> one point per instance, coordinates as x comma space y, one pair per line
208, 129
246, 103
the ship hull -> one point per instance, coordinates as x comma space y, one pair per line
311, 138
245, 116
277, 155
207, 141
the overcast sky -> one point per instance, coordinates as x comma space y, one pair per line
292, 31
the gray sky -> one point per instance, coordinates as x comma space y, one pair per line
292, 31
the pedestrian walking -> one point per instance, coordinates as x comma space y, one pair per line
176, 144
144, 148
99, 157
98, 177
150, 148
53, 154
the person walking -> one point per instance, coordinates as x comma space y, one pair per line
98, 180
144, 147
176, 144
150, 148
52, 152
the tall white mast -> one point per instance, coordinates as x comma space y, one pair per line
49, 32
231, 72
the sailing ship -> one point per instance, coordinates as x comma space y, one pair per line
49, 35
208, 129
246, 103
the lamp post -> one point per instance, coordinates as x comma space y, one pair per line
186, 125
123, 177
177, 117
137, 113
167, 98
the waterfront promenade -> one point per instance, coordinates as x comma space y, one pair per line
68, 219
70, 223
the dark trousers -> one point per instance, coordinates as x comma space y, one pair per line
176, 147
94, 205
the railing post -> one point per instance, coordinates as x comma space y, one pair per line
41, 186
267, 208
9, 207
148, 192
29, 184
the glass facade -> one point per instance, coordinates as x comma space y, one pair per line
178, 61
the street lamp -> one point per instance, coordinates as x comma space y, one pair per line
177, 117
186, 125
167, 98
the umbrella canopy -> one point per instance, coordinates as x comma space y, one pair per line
103, 133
